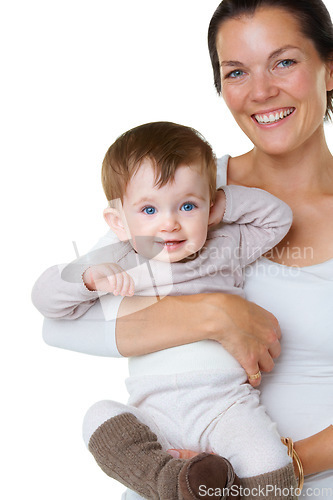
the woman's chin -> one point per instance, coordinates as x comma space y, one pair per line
278, 146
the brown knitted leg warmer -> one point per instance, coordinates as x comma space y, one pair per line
129, 452
280, 484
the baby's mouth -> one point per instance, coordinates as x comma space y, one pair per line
170, 243
273, 116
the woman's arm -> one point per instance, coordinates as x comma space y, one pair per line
316, 452
145, 325
251, 334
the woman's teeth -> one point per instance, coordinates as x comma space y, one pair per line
274, 117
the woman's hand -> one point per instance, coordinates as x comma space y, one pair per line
248, 332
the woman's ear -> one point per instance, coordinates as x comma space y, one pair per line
116, 221
329, 78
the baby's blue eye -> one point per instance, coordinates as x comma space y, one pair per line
149, 210
187, 207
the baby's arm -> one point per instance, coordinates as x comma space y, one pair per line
262, 220
59, 299
61, 293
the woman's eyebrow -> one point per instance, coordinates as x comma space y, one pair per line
231, 63
280, 51
274, 54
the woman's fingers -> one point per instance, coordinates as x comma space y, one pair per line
254, 377
258, 359
182, 453
275, 349
250, 334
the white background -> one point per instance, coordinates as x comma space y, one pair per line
75, 75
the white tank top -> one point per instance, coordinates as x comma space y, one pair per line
298, 393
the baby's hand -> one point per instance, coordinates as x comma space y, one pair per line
217, 210
109, 278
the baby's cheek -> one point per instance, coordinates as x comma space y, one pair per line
202, 234
197, 243
192, 247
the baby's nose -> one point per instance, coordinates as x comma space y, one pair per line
170, 223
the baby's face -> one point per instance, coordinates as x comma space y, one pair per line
173, 217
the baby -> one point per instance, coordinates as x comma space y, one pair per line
161, 180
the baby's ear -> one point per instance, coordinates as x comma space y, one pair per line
115, 219
211, 214
217, 209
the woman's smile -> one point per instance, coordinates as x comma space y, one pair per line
272, 116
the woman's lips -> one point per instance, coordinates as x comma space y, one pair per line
274, 116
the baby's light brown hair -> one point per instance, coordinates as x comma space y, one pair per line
168, 146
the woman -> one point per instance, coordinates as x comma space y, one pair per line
272, 65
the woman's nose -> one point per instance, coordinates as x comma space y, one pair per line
263, 87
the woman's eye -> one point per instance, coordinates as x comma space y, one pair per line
149, 210
187, 207
235, 74
286, 63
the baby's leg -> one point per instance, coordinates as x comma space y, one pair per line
246, 436
102, 411
131, 495
129, 451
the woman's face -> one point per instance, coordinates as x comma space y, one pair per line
273, 80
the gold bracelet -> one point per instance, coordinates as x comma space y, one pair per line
294, 455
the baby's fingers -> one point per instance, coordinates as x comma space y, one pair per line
114, 281
118, 280
128, 285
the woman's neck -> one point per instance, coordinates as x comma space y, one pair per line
306, 170
304, 180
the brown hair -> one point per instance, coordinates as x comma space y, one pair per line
168, 146
314, 22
